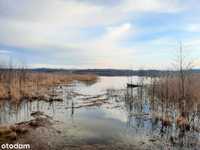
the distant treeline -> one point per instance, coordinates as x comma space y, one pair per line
111, 72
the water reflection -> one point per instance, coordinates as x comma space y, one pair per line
129, 110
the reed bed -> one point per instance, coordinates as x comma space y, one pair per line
170, 90
19, 84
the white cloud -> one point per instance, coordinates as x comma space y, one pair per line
34, 23
169, 6
193, 27
115, 34
109, 47
55, 26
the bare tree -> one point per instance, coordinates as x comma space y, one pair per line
184, 73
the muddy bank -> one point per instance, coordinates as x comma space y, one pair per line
38, 132
44, 133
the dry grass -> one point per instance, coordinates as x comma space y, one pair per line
167, 89
19, 84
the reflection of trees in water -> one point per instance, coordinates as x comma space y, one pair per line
164, 123
18, 112
9, 112
134, 107
72, 108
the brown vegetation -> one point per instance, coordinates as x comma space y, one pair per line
167, 90
167, 93
19, 84
182, 122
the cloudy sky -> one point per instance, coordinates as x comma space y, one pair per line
98, 33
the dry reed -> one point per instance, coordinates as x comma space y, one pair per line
19, 84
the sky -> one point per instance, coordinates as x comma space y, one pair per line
123, 34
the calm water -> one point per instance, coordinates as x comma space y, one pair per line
111, 88
124, 114
114, 114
